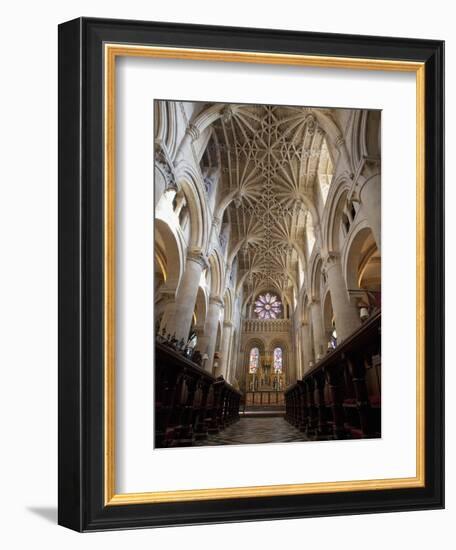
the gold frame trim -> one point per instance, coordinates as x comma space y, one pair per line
111, 52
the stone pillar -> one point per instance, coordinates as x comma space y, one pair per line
307, 351
346, 314
318, 330
186, 294
225, 367
207, 342
370, 199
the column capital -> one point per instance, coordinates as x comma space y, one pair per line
228, 324
371, 167
369, 171
331, 260
313, 301
197, 255
164, 164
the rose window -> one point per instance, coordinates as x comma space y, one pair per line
268, 306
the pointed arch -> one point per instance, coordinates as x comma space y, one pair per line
189, 181
332, 214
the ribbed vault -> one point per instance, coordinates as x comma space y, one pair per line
270, 157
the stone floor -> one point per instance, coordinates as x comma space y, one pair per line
255, 430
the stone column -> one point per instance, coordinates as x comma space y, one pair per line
318, 330
307, 351
207, 342
225, 367
370, 199
186, 294
346, 314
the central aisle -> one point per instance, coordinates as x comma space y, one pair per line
256, 430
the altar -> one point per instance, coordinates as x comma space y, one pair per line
265, 387
267, 379
265, 398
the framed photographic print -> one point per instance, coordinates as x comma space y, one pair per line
250, 274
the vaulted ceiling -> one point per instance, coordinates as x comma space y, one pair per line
270, 159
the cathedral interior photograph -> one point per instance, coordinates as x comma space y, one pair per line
267, 259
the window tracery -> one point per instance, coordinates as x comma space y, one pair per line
268, 306
278, 360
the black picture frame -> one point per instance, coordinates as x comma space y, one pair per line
81, 398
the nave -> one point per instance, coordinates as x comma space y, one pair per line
267, 272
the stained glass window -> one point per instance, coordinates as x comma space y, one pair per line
254, 358
278, 359
268, 306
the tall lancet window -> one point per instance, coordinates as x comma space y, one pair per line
278, 360
268, 306
254, 359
